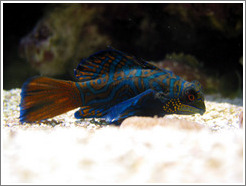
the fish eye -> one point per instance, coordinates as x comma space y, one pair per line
191, 97
190, 94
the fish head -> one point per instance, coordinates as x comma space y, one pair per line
192, 99
189, 101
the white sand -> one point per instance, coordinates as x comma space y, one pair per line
77, 152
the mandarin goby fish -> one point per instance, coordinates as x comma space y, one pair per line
113, 86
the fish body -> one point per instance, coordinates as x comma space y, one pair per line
113, 86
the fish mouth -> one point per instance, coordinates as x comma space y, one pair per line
202, 111
190, 109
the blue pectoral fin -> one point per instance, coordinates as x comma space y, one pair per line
130, 107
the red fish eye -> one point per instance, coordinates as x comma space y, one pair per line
191, 97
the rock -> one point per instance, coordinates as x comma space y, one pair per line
149, 122
63, 36
241, 120
220, 17
170, 150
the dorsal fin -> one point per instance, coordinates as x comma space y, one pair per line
106, 62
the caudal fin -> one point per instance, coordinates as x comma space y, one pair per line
43, 98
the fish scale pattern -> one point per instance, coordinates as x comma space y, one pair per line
113, 85
111, 77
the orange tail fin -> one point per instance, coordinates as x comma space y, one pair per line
43, 98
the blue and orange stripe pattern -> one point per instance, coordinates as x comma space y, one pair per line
119, 77
112, 85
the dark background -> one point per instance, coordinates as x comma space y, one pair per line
219, 50
18, 20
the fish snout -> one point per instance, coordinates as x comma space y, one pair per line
202, 112
202, 109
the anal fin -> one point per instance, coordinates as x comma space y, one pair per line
90, 112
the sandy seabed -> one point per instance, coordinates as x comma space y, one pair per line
174, 149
